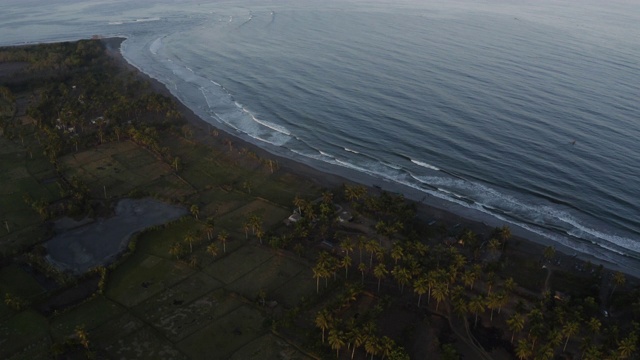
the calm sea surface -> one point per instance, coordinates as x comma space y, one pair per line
528, 113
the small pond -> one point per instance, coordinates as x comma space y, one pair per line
100, 242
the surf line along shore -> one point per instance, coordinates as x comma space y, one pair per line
330, 176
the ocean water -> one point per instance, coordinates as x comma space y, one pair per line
527, 113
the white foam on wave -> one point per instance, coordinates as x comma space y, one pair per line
351, 151
270, 125
425, 165
488, 207
131, 21
583, 231
490, 201
326, 154
147, 19
156, 45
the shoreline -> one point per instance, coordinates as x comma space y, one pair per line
325, 175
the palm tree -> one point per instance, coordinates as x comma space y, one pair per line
176, 163
545, 352
380, 272
420, 287
469, 278
372, 346
516, 324
212, 250
460, 306
432, 280
195, 211
440, 292
476, 305
346, 245
346, 263
509, 284
468, 238
190, 238
333, 264
323, 321
504, 233
176, 250
493, 302
494, 244
361, 243
210, 225
260, 234
594, 325
419, 248
83, 336
592, 352
397, 252
320, 271
627, 346
402, 276
358, 337
503, 300
372, 247
354, 193
229, 143
255, 222
490, 281
222, 237
362, 267
246, 226
336, 340
386, 346
523, 351
618, 280
571, 328
549, 253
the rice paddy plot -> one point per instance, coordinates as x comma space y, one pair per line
89, 315
221, 338
145, 343
22, 330
14, 280
38, 350
177, 319
40, 168
269, 276
268, 347
219, 202
18, 213
142, 276
133, 157
235, 265
268, 213
290, 293
114, 329
169, 187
